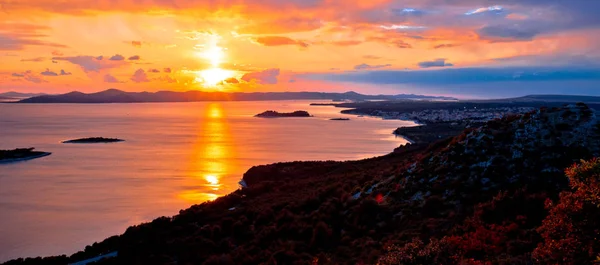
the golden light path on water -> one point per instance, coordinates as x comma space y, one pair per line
207, 165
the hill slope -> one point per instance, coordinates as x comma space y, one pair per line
478, 197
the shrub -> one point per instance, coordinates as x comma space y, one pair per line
571, 230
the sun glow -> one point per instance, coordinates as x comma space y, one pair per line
212, 179
215, 55
213, 76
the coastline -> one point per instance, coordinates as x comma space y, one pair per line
13, 160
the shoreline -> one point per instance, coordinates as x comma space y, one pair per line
13, 160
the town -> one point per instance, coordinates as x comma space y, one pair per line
453, 115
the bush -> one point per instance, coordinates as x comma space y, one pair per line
571, 230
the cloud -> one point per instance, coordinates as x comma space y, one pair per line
346, 42
18, 41
401, 44
167, 70
372, 57
139, 76
99, 58
409, 12
90, 63
134, 58
63, 72
456, 76
435, 63
117, 57
391, 40
268, 76
166, 79
283, 25
57, 53
29, 76
53, 61
279, 41
402, 27
108, 78
137, 44
490, 9
17, 36
508, 32
441, 46
232, 80
34, 79
37, 59
153, 70
48, 73
365, 66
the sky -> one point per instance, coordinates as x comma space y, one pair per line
462, 48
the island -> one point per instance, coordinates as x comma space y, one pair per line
93, 140
339, 119
275, 114
20, 154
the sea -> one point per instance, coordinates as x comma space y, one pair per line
174, 155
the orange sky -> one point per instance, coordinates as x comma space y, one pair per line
235, 45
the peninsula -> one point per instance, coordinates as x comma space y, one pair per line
20, 154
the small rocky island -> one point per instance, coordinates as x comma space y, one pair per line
339, 119
275, 114
20, 154
93, 140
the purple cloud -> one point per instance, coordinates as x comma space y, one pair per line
268, 76
435, 63
117, 57
139, 76
365, 66
48, 73
90, 63
111, 79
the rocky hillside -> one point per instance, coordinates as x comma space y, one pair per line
484, 197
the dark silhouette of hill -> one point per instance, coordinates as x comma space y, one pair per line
496, 194
554, 98
118, 96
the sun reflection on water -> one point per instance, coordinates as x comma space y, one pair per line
211, 157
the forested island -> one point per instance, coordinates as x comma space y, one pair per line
21, 154
93, 140
275, 114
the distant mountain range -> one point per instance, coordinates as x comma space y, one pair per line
553, 98
12, 94
118, 96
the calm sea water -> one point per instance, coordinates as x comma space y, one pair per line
175, 155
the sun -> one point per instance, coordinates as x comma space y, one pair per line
215, 55
213, 76
212, 179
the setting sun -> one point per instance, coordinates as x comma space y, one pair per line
214, 55
212, 179
212, 77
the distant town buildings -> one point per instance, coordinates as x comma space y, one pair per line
455, 115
